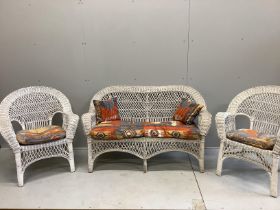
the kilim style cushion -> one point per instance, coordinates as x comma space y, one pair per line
187, 111
114, 130
106, 110
40, 135
253, 138
171, 129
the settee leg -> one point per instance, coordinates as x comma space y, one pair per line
90, 167
145, 167
274, 178
90, 157
201, 165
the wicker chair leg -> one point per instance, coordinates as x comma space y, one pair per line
274, 178
145, 167
71, 157
220, 160
20, 172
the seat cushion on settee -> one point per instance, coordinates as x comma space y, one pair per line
40, 135
252, 138
171, 129
117, 129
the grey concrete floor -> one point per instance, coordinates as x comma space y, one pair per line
172, 182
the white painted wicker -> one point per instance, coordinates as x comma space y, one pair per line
34, 107
262, 106
147, 103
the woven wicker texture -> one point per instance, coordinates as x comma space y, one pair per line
34, 107
262, 106
147, 103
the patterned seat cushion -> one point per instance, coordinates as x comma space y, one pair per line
187, 111
40, 135
253, 138
114, 130
171, 129
106, 110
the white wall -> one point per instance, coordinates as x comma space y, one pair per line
81, 46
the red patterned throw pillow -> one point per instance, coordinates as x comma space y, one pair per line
106, 110
187, 111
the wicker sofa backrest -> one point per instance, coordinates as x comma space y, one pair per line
33, 107
262, 105
148, 103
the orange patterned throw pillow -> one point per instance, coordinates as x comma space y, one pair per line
187, 111
106, 110
40, 135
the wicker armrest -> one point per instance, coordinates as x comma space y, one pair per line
276, 149
204, 122
225, 121
70, 123
89, 121
9, 135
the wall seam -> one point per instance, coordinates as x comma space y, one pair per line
188, 40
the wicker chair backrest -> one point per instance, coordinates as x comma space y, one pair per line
34, 107
262, 105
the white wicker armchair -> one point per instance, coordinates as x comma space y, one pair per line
147, 103
34, 107
262, 106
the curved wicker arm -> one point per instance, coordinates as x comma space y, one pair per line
204, 122
8, 134
276, 149
70, 123
225, 121
89, 121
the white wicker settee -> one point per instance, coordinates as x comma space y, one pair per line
147, 103
34, 107
262, 106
